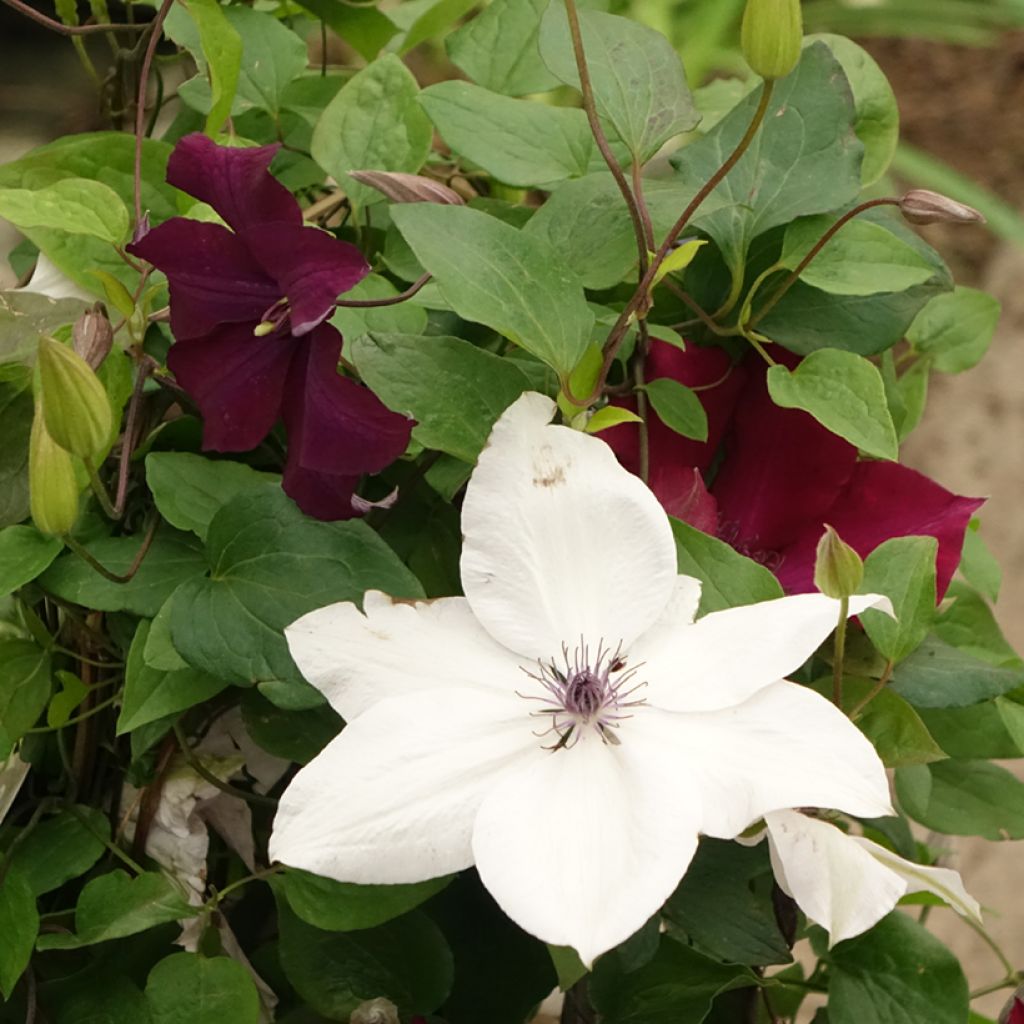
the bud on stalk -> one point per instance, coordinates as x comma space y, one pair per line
53, 489
408, 188
838, 569
78, 414
921, 206
771, 36
93, 336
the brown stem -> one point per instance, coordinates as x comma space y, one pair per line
156, 29
597, 131
643, 343
645, 214
151, 796
87, 556
68, 30
392, 301
874, 692
144, 368
691, 303
818, 246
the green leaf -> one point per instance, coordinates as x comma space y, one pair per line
61, 848
115, 293
903, 569
186, 988
365, 29
518, 142
610, 416
896, 973
172, 559
24, 687
906, 394
151, 694
336, 971
955, 329
862, 258
222, 48
19, 923
877, 121
115, 905
189, 489
424, 19
63, 703
344, 907
15, 423
498, 48
806, 160
679, 984
24, 554
291, 735
678, 259
977, 563
678, 407
568, 966
25, 315
843, 392
493, 274
638, 80
968, 624
727, 577
723, 905
454, 390
92, 997
937, 675
401, 318
270, 565
159, 651
992, 729
75, 206
374, 123
963, 798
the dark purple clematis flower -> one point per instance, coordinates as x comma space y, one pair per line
783, 476
248, 307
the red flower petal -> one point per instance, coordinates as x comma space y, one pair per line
320, 495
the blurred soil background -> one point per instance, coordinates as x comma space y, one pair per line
960, 103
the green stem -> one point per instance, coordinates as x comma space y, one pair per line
874, 692
201, 770
840, 653
99, 490
1011, 971
95, 709
83, 552
217, 898
994, 987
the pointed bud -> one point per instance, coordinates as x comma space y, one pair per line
53, 489
771, 36
93, 336
921, 206
408, 188
838, 570
78, 414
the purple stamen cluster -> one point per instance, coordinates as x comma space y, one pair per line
582, 692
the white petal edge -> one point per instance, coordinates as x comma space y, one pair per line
785, 747
561, 543
581, 849
393, 797
395, 648
836, 882
727, 656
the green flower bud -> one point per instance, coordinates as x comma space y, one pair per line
838, 569
78, 415
53, 489
771, 36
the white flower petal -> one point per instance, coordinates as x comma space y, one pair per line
834, 880
784, 747
942, 882
727, 656
560, 540
583, 847
393, 797
394, 648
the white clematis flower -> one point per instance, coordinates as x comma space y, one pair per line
566, 726
847, 884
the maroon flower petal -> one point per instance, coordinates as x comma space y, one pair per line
213, 278
335, 425
690, 501
882, 500
311, 267
235, 182
236, 380
320, 495
782, 470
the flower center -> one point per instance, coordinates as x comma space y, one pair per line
273, 319
584, 692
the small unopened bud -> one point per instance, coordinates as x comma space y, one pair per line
78, 414
375, 1011
771, 36
93, 336
52, 487
408, 188
838, 569
921, 206
141, 229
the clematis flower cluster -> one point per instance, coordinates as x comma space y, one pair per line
782, 475
567, 727
248, 303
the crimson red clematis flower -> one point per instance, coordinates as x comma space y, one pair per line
247, 309
783, 475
